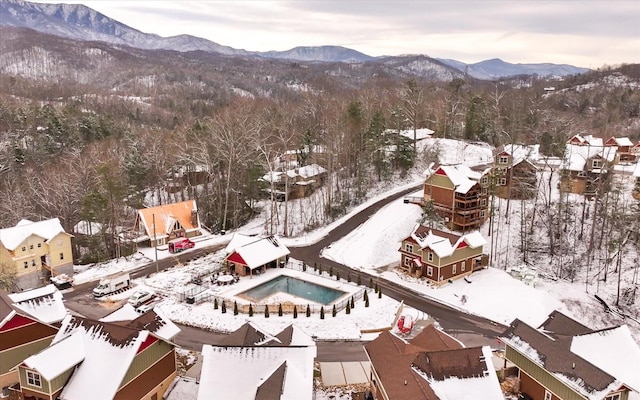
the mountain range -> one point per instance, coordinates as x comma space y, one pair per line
82, 23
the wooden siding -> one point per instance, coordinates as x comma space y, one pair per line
58, 382
25, 385
145, 359
25, 334
163, 370
541, 376
461, 254
442, 181
11, 357
441, 196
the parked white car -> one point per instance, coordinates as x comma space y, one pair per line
139, 297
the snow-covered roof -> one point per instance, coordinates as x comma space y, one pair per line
461, 176
154, 321
576, 156
44, 304
240, 239
520, 152
612, 350
421, 133
621, 141
309, 171
106, 358
260, 251
444, 244
587, 140
54, 360
486, 386
286, 371
12, 237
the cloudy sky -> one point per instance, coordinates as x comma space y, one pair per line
587, 33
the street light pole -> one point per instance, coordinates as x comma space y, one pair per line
155, 239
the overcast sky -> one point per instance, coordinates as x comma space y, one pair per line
588, 33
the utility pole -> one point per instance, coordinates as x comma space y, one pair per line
155, 240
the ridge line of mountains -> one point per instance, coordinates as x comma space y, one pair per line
79, 22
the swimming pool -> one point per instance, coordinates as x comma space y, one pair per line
296, 287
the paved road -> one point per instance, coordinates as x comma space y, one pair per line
471, 329
453, 321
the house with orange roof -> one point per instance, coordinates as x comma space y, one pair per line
158, 225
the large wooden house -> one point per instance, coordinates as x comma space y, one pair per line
158, 225
96, 360
35, 251
430, 366
586, 169
28, 324
439, 256
623, 149
514, 174
564, 360
459, 195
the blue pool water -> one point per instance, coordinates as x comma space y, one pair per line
297, 287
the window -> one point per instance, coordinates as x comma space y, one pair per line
502, 182
582, 174
429, 271
39, 245
482, 214
62, 256
615, 396
453, 269
430, 256
503, 160
407, 262
33, 379
462, 266
30, 247
24, 248
26, 264
409, 247
596, 163
484, 180
547, 395
33, 263
483, 202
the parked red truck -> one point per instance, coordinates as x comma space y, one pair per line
180, 244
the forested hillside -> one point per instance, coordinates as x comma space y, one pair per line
90, 131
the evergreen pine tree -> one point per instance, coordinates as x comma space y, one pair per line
366, 299
334, 311
250, 310
224, 308
370, 282
349, 277
280, 310
215, 304
321, 312
359, 280
295, 312
347, 310
376, 289
352, 302
337, 275
330, 271
235, 308
308, 311
266, 311
379, 293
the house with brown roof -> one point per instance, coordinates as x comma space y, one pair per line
623, 147
430, 366
28, 323
440, 256
158, 225
252, 364
586, 170
564, 359
96, 360
35, 251
514, 174
459, 195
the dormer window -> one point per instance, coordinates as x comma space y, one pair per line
596, 163
503, 160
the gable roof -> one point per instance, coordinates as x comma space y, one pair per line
621, 141
165, 217
255, 251
462, 177
575, 364
106, 351
43, 304
154, 321
520, 152
587, 140
576, 156
443, 243
12, 237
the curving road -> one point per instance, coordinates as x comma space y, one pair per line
471, 329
